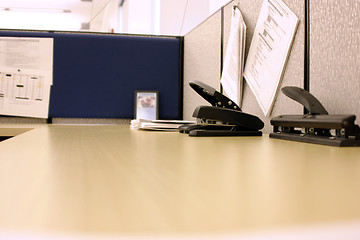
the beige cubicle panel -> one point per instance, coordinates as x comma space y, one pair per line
202, 47
294, 71
335, 55
202, 58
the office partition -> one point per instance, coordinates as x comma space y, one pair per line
202, 60
96, 75
211, 38
323, 59
335, 55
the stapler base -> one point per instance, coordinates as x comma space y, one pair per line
222, 133
324, 140
214, 130
191, 127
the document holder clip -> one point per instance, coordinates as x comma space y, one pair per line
317, 126
223, 118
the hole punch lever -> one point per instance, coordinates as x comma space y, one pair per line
214, 97
311, 103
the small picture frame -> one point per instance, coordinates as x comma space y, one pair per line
146, 105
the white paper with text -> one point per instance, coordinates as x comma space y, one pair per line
269, 50
232, 74
26, 70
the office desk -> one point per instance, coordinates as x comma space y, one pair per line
111, 180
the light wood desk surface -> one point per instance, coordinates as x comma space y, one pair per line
114, 180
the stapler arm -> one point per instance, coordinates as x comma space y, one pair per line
215, 115
223, 118
215, 121
317, 126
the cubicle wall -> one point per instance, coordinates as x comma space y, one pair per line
205, 47
333, 60
202, 60
335, 55
95, 75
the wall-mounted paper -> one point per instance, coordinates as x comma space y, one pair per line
232, 74
26, 70
269, 50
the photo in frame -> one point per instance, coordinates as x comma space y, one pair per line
146, 105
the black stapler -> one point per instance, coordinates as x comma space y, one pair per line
223, 118
317, 126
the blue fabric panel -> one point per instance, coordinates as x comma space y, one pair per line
95, 75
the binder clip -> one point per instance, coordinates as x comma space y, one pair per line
223, 118
317, 126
